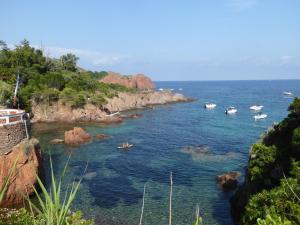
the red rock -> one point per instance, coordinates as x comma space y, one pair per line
24, 177
77, 136
228, 181
139, 81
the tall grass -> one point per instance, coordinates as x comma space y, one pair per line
51, 209
7, 180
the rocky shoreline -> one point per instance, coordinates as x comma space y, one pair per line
58, 112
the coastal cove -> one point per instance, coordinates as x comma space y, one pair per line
112, 187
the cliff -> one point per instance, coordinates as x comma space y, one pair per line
91, 113
139, 81
271, 191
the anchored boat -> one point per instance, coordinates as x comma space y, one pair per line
288, 93
256, 107
231, 110
260, 116
210, 105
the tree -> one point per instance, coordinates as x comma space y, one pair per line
69, 62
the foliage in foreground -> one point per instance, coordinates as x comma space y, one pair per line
52, 207
274, 169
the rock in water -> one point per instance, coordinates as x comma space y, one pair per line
228, 181
77, 136
56, 141
24, 176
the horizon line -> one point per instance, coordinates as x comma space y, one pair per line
286, 79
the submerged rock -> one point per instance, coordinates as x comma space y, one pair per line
228, 181
196, 150
133, 116
202, 153
90, 175
102, 136
77, 136
56, 141
24, 176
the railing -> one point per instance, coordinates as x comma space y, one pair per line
11, 116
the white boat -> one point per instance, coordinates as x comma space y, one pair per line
289, 93
231, 110
256, 107
210, 105
180, 89
260, 116
161, 89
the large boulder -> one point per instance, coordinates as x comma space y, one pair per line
228, 181
77, 136
139, 81
24, 174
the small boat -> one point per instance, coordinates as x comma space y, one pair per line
113, 114
289, 93
161, 89
260, 116
231, 110
180, 89
256, 107
171, 89
125, 146
210, 105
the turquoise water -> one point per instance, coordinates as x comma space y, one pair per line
113, 185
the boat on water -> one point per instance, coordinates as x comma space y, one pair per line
161, 89
180, 89
210, 105
125, 146
256, 107
260, 116
288, 93
231, 110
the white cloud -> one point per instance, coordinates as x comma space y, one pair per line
93, 57
241, 5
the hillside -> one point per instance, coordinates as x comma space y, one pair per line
271, 189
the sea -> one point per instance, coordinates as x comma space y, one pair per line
184, 139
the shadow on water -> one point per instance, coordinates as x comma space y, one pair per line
108, 191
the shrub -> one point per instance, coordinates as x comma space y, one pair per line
279, 201
262, 160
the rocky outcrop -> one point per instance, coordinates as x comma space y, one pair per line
58, 112
24, 175
228, 181
127, 101
77, 136
139, 81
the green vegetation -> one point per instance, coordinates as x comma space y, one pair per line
274, 169
52, 207
46, 80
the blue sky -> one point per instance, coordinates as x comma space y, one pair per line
167, 40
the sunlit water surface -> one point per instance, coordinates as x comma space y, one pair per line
112, 187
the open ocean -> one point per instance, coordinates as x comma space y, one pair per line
112, 189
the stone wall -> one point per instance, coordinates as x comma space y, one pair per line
11, 135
